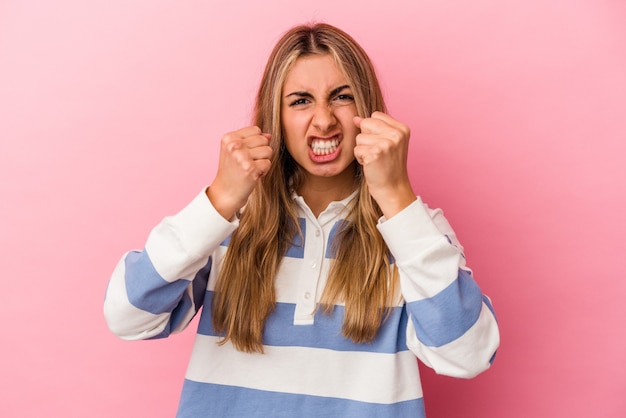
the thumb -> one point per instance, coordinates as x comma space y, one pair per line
357, 121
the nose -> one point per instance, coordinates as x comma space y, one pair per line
323, 117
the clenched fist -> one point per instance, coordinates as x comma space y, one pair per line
245, 157
382, 149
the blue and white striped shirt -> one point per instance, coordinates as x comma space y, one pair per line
308, 368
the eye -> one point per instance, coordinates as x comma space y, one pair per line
343, 99
298, 102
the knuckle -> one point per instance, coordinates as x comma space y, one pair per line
383, 147
373, 153
228, 137
246, 166
404, 130
397, 135
261, 168
232, 145
265, 166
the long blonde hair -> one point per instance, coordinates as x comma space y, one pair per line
361, 276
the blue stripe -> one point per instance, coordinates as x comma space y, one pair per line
146, 289
493, 358
178, 314
210, 400
449, 314
200, 283
337, 227
493, 312
324, 333
296, 250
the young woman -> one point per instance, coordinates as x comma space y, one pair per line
321, 274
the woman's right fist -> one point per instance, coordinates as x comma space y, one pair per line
245, 157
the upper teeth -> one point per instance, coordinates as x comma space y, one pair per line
323, 146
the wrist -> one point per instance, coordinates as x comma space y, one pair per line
224, 206
393, 201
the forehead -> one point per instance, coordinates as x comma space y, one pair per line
314, 73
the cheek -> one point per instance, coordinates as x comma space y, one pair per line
294, 135
295, 124
346, 115
350, 131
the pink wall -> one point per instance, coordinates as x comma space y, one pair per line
110, 116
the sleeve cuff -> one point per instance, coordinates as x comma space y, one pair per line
198, 227
409, 230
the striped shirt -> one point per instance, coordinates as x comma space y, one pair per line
308, 369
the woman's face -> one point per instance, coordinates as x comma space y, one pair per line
317, 114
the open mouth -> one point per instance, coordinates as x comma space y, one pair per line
325, 146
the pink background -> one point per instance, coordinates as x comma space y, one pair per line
110, 118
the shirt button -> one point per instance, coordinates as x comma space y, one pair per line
313, 265
307, 295
317, 232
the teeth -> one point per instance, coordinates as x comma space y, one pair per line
324, 147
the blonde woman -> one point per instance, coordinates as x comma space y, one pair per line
321, 275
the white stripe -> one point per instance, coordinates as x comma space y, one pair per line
180, 245
359, 376
426, 260
170, 260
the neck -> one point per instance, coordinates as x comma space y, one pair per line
319, 192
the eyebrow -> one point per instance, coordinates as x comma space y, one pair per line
338, 90
306, 94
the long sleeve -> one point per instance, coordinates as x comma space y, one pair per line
452, 326
158, 290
